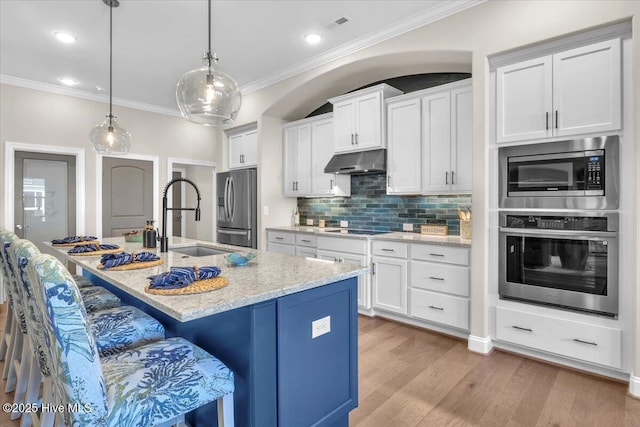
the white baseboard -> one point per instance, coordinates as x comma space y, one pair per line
482, 345
634, 385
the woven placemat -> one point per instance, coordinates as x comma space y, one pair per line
132, 265
196, 287
84, 242
100, 252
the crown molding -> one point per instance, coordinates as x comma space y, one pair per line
60, 90
440, 11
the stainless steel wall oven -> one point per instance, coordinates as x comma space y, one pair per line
564, 260
577, 174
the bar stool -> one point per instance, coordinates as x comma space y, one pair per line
118, 329
151, 385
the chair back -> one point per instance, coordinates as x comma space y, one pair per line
6, 238
76, 372
21, 253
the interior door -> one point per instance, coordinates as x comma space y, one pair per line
44, 197
127, 195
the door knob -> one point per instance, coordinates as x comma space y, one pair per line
19, 226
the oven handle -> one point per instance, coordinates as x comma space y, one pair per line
559, 233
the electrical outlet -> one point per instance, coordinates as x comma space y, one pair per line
344, 224
407, 227
265, 210
320, 327
309, 222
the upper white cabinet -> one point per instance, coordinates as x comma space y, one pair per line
429, 141
359, 118
573, 92
308, 147
404, 147
243, 146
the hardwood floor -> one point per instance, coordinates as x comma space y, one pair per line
413, 377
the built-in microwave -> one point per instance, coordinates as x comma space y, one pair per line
576, 174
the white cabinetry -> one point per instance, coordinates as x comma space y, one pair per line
572, 92
389, 276
360, 118
243, 146
348, 251
439, 284
308, 146
404, 147
577, 340
447, 140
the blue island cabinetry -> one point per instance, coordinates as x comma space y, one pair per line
283, 376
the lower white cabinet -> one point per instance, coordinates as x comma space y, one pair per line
577, 340
349, 258
389, 284
440, 308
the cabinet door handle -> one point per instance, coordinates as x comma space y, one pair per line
279, 238
352, 139
356, 138
436, 278
433, 307
436, 254
520, 328
373, 268
388, 250
389, 181
556, 119
585, 342
446, 178
546, 120
330, 184
306, 241
452, 177
293, 186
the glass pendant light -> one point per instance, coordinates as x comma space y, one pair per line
207, 95
109, 137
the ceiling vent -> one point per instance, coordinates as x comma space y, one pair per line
340, 21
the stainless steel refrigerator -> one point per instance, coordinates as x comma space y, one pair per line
237, 215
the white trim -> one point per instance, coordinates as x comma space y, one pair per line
76, 93
440, 11
156, 176
192, 162
634, 385
9, 188
482, 345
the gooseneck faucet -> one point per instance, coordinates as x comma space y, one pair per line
164, 239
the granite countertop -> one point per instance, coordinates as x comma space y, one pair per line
394, 235
269, 275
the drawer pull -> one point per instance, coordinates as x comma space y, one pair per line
436, 278
585, 342
436, 254
306, 241
388, 250
279, 238
436, 308
520, 328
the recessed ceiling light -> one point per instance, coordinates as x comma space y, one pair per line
65, 37
313, 38
67, 81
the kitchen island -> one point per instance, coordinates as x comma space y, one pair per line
289, 371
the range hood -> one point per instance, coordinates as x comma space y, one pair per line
373, 161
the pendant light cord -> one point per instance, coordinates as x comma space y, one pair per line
110, 63
209, 56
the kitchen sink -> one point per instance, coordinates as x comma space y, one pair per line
198, 250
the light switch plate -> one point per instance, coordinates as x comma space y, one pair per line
407, 227
320, 327
309, 222
344, 224
265, 210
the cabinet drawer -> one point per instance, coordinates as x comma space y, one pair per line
337, 244
578, 340
446, 309
281, 249
281, 237
392, 249
439, 277
440, 253
306, 240
306, 252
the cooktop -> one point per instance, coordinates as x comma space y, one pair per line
355, 231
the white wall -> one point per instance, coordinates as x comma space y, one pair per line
34, 117
202, 176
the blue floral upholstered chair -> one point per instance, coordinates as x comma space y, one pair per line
147, 386
116, 329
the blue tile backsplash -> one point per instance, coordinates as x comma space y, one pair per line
369, 207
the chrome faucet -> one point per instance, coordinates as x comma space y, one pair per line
164, 239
